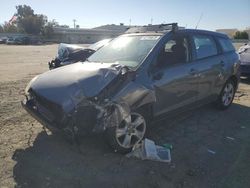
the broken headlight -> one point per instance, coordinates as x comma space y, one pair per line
29, 84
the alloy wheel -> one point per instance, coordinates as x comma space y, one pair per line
228, 94
128, 134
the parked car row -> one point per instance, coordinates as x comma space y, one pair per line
19, 40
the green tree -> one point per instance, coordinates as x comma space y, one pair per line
241, 35
1, 29
244, 35
24, 11
31, 23
48, 29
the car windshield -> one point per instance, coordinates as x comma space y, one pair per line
126, 50
99, 44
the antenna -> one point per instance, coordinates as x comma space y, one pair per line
199, 21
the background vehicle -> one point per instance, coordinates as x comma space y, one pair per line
244, 53
22, 40
3, 40
134, 79
68, 54
10, 40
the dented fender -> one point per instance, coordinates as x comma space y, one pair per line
135, 95
130, 98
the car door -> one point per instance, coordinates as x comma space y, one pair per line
209, 65
173, 77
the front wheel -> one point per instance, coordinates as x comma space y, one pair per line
124, 136
227, 95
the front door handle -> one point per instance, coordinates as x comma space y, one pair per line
158, 76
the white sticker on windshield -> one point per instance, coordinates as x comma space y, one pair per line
150, 38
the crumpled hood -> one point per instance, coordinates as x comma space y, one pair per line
67, 85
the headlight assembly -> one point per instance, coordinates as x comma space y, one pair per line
29, 84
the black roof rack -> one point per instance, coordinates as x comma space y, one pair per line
160, 28
173, 28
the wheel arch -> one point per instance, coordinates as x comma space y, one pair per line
234, 79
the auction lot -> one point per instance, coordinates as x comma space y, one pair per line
211, 148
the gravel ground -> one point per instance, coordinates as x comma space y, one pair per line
31, 158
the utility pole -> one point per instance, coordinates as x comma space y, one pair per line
74, 20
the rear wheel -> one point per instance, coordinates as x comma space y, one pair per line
227, 95
124, 136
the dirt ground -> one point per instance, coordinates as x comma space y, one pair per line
211, 148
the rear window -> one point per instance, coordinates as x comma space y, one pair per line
226, 45
205, 46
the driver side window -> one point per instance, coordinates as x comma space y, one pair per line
175, 51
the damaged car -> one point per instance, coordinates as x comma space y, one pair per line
244, 53
68, 53
135, 79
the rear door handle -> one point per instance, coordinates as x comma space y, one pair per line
193, 71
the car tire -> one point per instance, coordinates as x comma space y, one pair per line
124, 136
226, 96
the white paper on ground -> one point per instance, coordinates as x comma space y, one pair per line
149, 151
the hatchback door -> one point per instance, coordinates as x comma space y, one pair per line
174, 80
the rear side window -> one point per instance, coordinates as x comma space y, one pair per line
226, 45
205, 46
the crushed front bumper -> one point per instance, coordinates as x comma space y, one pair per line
84, 120
88, 118
32, 109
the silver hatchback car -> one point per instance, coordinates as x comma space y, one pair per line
134, 79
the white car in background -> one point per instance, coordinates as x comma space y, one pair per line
244, 53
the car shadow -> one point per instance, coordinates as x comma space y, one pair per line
52, 162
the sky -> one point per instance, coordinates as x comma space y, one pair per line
213, 14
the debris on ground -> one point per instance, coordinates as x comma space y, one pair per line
147, 150
168, 146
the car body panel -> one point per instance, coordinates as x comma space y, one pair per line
176, 88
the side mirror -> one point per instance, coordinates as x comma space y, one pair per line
157, 75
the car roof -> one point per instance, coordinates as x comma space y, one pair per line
199, 31
144, 34
195, 31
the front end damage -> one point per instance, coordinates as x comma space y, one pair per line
75, 107
88, 117
91, 98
